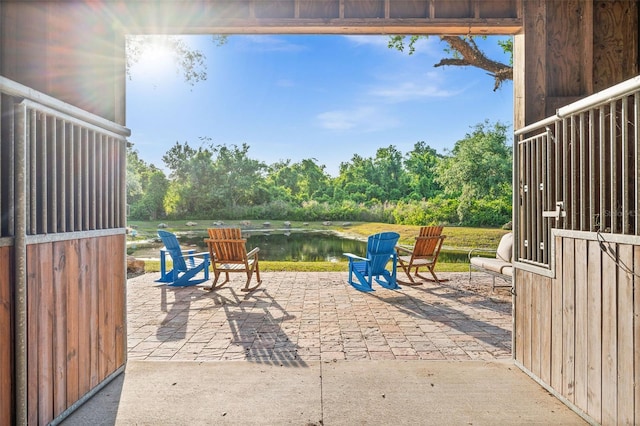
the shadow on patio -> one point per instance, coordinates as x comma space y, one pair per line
299, 317
432, 355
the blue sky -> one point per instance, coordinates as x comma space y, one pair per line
322, 97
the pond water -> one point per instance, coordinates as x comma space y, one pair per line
294, 246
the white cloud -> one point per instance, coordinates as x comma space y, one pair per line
402, 88
360, 119
429, 46
366, 40
269, 43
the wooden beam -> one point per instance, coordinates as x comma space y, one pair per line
500, 26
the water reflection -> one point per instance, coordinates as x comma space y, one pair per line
290, 246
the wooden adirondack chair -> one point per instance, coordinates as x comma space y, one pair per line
186, 264
229, 254
380, 250
424, 254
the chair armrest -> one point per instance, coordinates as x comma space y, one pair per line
190, 253
470, 255
404, 249
253, 252
352, 256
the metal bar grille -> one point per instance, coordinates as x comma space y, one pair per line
61, 167
587, 168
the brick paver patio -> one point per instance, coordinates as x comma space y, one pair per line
297, 317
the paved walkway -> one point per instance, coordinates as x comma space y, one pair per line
300, 317
307, 349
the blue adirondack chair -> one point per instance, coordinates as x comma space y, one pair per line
380, 250
186, 265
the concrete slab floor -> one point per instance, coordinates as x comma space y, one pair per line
308, 349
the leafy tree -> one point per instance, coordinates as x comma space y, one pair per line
191, 174
464, 51
313, 179
299, 181
146, 187
478, 167
236, 177
421, 165
381, 178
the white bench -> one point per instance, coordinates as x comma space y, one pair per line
500, 266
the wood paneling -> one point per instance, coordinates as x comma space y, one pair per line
593, 328
624, 338
76, 299
615, 42
564, 48
581, 329
6, 336
594, 332
556, 318
409, 9
312, 8
609, 343
636, 331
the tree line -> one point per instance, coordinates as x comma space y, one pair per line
469, 185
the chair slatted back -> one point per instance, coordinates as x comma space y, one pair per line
431, 231
428, 243
380, 248
173, 247
428, 247
227, 245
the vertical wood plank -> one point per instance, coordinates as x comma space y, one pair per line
45, 333
33, 279
625, 336
120, 302
525, 293
556, 320
6, 343
105, 347
609, 343
594, 332
581, 329
59, 343
568, 319
85, 317
545, 329
109, 282
535, 85
536, 314
73, 321
94, 313
636, 332
519, 319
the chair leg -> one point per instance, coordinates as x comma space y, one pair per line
433, 274
215, 280
249, 275
407, 271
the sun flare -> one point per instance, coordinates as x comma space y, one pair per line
155, 58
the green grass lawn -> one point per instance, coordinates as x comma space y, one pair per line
458, 239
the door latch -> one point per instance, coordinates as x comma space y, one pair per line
557, 213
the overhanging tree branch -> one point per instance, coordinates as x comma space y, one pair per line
467, 53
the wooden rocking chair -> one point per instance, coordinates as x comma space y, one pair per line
229, 254
424, 254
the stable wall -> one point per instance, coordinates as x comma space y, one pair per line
578, 333
74, 51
